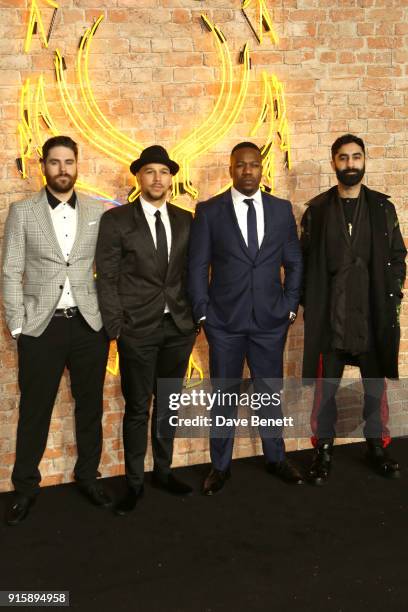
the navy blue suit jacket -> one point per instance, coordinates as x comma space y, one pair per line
239, 288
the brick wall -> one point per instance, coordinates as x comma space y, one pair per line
155, 73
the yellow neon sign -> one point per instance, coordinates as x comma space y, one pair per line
29, 131
24, 127
41, 109
101, 133
89, 98
212, 131
273, 105
113, 359
79, 122
265, 20
116, 145
181, 150
193, 366
24, 145
35, 18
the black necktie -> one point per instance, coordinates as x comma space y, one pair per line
161, 245
252, 228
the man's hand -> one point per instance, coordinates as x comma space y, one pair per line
292, 317
199, 325
15, 333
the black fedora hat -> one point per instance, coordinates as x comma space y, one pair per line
154, 155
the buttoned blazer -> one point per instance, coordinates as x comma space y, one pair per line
132, 292
240, 288
34, 268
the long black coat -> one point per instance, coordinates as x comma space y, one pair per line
387, 274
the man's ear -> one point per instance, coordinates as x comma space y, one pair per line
333, 165
230, 171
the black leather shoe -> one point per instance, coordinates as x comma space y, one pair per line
321, 464
170, 483
128, 503
96, 495
380, 460
18, 509
215, 481
286, 471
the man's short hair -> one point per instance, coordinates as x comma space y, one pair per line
346, 139
245, 145
59, 141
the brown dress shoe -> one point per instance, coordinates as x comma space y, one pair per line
215, 481
286, 471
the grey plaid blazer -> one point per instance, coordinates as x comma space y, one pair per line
34, 268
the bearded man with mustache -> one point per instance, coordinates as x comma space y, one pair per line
52, 312
354, 271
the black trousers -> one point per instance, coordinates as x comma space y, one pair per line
375, 412
164, 353
71, 343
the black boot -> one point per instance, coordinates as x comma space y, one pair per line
321, 464
380, 460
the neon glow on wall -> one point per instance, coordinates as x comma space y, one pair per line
36, 122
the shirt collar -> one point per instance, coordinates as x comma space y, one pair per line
149, 209
238, 197
54, 202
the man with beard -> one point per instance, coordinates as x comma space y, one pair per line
354, 259
52, 312
141, 261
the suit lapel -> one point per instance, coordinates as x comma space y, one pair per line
176, 231
82, 219
268, 221
378, 216
233, 221
43, 215
142, 229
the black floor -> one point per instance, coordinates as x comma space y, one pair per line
258, 545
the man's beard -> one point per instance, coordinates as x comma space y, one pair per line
57, 186
154, 196
349, 178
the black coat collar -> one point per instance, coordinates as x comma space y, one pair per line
54, 202
370, 194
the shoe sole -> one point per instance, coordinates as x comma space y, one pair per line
96, 505
295, 483
15, 523
388, 475
158, 485
317, 482
391, 475
117, 513
211, 493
